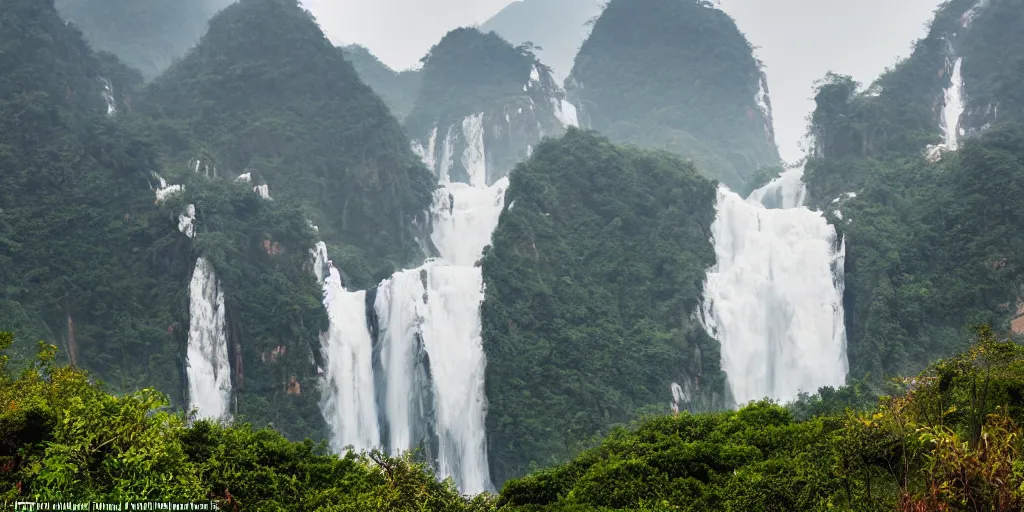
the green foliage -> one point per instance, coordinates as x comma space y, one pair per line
593, 269
757, 458
993, 67
63, 438
930, 246
265, 91
272, 298
88, 261
950, 441
397, 88
675, 75
465, 73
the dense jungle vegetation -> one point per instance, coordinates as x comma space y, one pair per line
65, 438
931, 247
93, 263
677, 76
590, 281
599, 257
265, 91
949, 440
468, 72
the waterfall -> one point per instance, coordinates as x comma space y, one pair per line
774, 299
954, 107
952, 110
432, 356
473, 158
463, 219
348, 399
108, 96
209, 371
453, 343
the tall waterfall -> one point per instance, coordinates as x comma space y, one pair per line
207, 364
954, 107
433, 359
774, 300
430, 339
431, 346
209, 371
430, 387
348, 400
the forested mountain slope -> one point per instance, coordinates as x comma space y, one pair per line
147, 34
679, 76
482, 93
397, 88
78, 223
100, 249
903, 453
266, 92
922, 172
595, 266
557, 28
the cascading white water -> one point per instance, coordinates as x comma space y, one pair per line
430, 339
774, 300
433, 312
209, 371
463, 218
565, 112
108, 96
954, 107
447, 155
452, 340
399, 309
473, 158
207, 366
348, 398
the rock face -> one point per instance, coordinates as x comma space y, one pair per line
687, 83
483, 106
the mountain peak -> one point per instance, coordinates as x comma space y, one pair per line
487, 100
687, 83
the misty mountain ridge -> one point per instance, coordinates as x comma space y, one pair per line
482, 95
558, 28
687, 83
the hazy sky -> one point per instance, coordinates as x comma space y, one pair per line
398, 32
799, 40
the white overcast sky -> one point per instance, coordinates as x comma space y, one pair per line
799, 40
